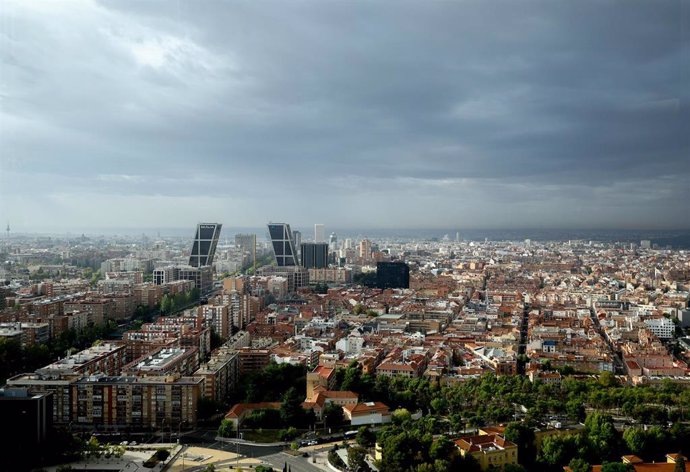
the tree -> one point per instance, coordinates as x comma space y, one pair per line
523, 436
680, 463
439, 405
287, 434
355, 458
400, 451
93, 447
616, 467
400, 416
352, 379
579, 465
226, 428
441, 448
333, 414
291, 411
636, 440
165, 304
514, 468
602, 435
365, 437
575, 409
558, 450
607, 379
162, 454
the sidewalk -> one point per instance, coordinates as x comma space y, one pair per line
250, 443
194, 457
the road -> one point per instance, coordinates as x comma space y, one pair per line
296, 463
522, 347
207, 438
618, 368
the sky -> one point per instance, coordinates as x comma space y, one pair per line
369, 114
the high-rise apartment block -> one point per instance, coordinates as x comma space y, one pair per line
314, 255
283, 245
319, 233
365, 248
204, 246
218, 318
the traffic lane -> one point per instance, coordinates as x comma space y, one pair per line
325, 446
296, 463
247, 450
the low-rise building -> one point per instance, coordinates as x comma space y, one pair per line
490, 450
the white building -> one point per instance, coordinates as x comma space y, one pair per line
350, 344
663, 328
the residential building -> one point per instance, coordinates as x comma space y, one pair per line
162, 403
220, 373
164, 361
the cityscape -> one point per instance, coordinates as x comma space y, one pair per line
307, 350
344, 236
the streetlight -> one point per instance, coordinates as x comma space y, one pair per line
237, 449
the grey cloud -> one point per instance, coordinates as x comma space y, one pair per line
507, 106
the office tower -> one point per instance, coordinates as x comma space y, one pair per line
297, 239
283, 245
314, 255
319, 233
205, 242
392, 275
333, 241
645, 244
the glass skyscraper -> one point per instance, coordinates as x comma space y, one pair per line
283, 245
205, 242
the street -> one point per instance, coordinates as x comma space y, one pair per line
296, 463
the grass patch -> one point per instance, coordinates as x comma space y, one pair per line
261, 435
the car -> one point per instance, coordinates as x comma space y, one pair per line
313, 442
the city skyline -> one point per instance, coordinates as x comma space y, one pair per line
364, 115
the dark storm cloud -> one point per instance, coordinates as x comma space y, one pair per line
490, 113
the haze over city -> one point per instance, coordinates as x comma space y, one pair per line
353, 114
